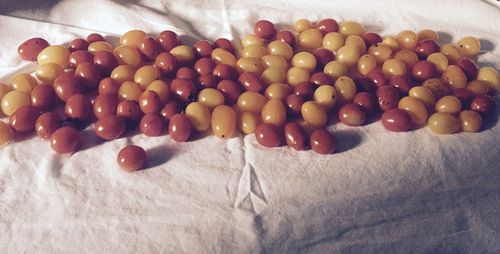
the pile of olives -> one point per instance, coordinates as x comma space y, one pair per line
283, 86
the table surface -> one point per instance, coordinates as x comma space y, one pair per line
381, 192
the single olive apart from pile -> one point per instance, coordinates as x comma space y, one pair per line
283, 86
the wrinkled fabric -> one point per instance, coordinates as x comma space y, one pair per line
381, 192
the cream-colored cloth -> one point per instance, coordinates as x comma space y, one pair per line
381, 192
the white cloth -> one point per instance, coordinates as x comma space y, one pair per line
382, 192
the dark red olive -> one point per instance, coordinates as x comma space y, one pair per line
225, 44
464, 95
251, 81
264, 29
78, 44
295, 136
426, 47
30, 49
483, 104
402, 83
320, 78
224, 71
230, 89
183, 89
327, 25
268, 135
396, 120
80, 56
287, 37
304, 90
105, 62
424, 70
168, 40
371, 38
323, 56
365, 84
322, 142
388, 97
468, 67
204, 66
366, 101
203, 48
378, 77
187, 73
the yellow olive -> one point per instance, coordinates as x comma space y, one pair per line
409, 57
347, 28
273, 75
47, 72
295, 75
14, 100
444, 123
314, 114
333, 41
490, 76
392, 43
471, 121
304, 60
127, 55
455, 77
250, 101
451, 52
393, 67
424, 94
199, 115
439, 60
478, 87
6, 134
274, 61
348, 55
23, 82
54, 54
366, 63
161, 88
145, 75
224, 121
357, 41
439, 87
132, 38
335, 69
249, 64
311, 39
211, 97
326, 96
100, 46
123, 73
278, 91
427, 34
301, 25
129, 91
274, 112
185, 54
469, 46
248, 122
407, 39
449, 104
221, 56
415, 108
280, 48
346, 89
254, 51
251, 39
381, 52
4, 89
